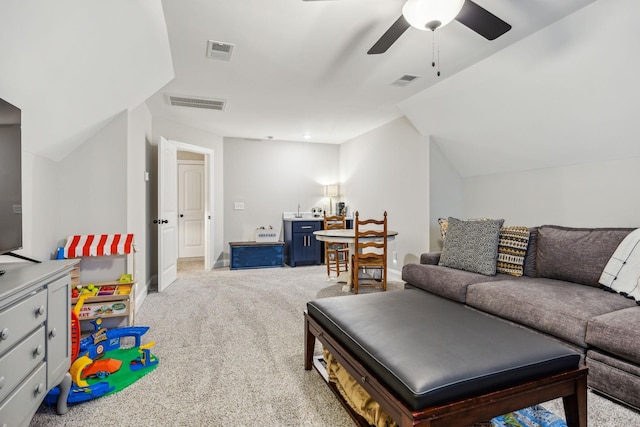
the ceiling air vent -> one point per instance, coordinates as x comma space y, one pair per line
193, 102
405, 80
219, 50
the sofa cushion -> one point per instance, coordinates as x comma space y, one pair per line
472, 245
529, 268
615, 378
576, 254
616, 333
447, 282
558, 308
432, 258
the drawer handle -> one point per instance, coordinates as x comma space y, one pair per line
40, 310
39, 388
4, 334
53, 333
305, 226
37, 351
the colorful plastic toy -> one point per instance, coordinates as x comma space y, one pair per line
147, 359
90, 365
101, 368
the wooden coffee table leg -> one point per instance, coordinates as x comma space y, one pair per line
575, 406
310, 343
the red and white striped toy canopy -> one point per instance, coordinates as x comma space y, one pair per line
98, 245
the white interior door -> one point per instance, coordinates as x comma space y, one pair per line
191, 209
168, 214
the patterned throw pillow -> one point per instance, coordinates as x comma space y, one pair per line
472, 245
512, 249
444, 225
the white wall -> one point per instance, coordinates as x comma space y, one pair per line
603, 194
445, 193
93, 194
138, 190
189, 135
271, 177
40, 192
388, 169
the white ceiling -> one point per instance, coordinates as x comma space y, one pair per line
301, 67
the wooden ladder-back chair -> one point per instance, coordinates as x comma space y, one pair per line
370, 251
336, 255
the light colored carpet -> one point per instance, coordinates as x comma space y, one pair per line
230, 345
190, 265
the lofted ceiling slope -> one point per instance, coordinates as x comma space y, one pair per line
72, 65
563, 96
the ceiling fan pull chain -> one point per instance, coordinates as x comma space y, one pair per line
438, 46
433, 48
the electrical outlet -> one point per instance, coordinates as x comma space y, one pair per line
238, 206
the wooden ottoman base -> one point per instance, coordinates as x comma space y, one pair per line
571, 386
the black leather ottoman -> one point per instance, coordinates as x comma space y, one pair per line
415, 352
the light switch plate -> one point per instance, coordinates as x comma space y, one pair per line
238, 206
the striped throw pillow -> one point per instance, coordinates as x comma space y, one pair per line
512, 249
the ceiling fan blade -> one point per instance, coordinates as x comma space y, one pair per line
482, 21
390, 36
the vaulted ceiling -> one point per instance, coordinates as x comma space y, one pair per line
301, 68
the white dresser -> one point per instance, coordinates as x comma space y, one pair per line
35, 337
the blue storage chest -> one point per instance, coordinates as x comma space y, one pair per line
256, 254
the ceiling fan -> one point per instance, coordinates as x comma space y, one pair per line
433, 14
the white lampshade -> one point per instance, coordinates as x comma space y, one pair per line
331, 190
431, 14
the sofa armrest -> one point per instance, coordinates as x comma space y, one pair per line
431, 258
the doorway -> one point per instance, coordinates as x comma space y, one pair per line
168, 218
191, 209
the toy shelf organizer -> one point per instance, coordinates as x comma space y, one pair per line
107, 299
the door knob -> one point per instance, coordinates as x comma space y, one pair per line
181, 216
164, 221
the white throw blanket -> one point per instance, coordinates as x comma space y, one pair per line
622, 272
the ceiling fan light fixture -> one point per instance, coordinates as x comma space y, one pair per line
431, 14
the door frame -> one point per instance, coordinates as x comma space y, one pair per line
208, 196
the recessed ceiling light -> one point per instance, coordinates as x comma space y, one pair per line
307, 136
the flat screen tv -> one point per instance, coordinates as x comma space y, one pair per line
10, 178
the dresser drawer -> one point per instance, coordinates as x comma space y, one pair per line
18, 362
306, 226
31, 312
18, 409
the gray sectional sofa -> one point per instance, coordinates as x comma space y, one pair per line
558, 296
